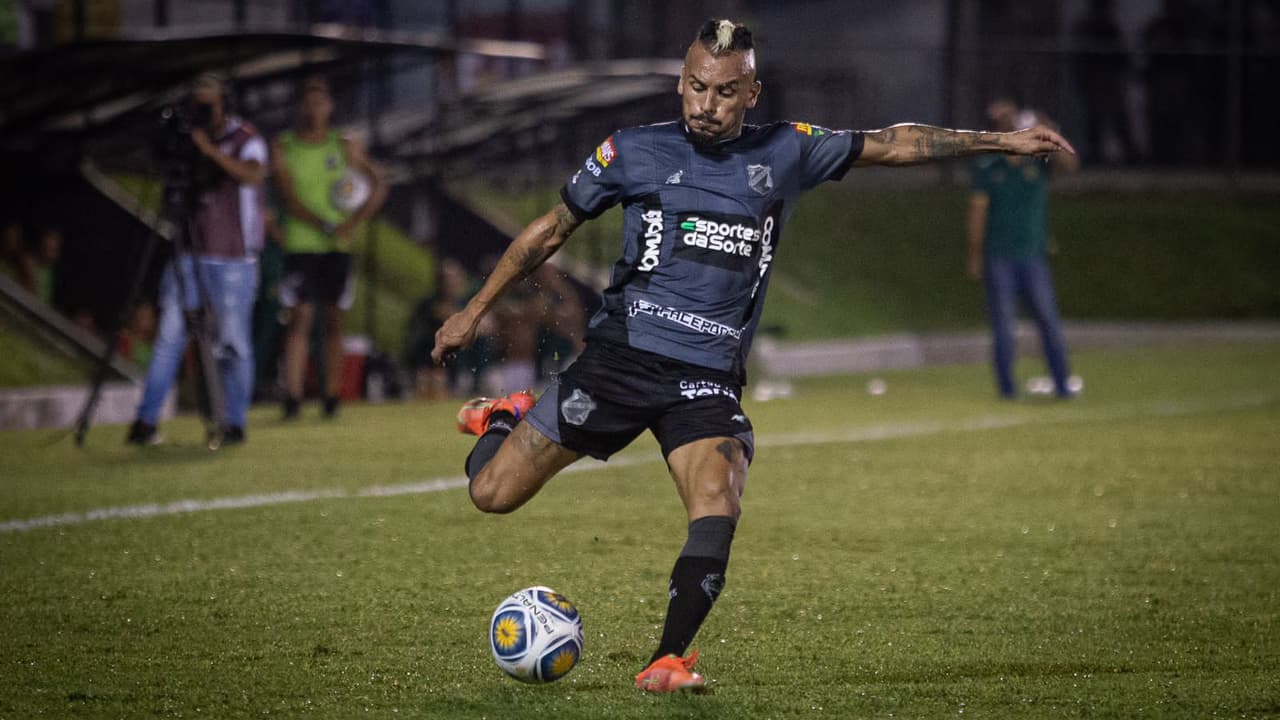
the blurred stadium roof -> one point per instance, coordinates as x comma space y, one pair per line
94, 87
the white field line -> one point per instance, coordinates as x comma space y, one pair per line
849, 435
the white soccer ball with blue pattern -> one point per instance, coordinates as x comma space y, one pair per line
536, 635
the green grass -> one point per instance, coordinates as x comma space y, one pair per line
27, 360
855, 261
918, 554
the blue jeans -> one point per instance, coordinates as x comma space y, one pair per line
1007, 280
232, 286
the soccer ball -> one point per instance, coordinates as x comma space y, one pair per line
350, 191
536, 635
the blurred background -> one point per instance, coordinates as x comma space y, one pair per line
479, 110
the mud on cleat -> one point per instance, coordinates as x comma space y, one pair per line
672, 673
473, 417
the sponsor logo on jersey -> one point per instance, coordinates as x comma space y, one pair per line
694, 322
727, 241
652, 239
706, 388
675, 177
606, 152
766, 252
733, 238
810, 130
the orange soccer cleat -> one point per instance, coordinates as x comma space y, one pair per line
672, 673
473, 417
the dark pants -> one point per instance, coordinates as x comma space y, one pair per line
1008, 280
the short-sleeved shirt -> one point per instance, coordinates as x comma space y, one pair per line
701, 228
1018, 213
314, 169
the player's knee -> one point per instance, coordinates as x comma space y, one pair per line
486, 493
718, 496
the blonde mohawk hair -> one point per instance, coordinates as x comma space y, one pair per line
721, 36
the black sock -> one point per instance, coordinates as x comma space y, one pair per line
696, 582
501, 424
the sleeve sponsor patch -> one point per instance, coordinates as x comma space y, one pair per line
810, 130
606, 153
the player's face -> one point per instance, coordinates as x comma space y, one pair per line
317, 107
716, 92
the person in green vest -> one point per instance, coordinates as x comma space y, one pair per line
330, 188
1008, 242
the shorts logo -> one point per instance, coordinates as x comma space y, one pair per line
577, 407
760, 179
706, 388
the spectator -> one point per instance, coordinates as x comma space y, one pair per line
225, 236
42, 262
454, 287
137, 339
11, 255
323, 209
1008, 241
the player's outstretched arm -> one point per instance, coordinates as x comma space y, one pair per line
532, 247
911, 144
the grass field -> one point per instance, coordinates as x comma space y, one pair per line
927, 553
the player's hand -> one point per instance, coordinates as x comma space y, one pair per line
1038, 140
344, 233
457, 332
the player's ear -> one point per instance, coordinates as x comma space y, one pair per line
680, 82
756, 87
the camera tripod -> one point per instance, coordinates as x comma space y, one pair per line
201, 321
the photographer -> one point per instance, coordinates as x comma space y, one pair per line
223, 168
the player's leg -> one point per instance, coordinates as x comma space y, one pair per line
337, 293
166, 357
296, 291
509, 466
1037, 286
334, 321
297, 342
708, 444
1002, 312
710, 475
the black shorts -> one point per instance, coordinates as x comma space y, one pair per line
319, 278
613, 392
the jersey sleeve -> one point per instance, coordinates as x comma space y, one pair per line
826, 154
255, 148
598, 185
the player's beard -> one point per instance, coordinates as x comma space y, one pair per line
705, 131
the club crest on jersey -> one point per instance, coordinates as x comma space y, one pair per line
577, 407
760, 179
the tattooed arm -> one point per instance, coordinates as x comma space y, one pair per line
537, 242
910, 144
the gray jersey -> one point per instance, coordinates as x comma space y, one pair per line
701, 228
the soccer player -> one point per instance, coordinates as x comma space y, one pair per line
704, 201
